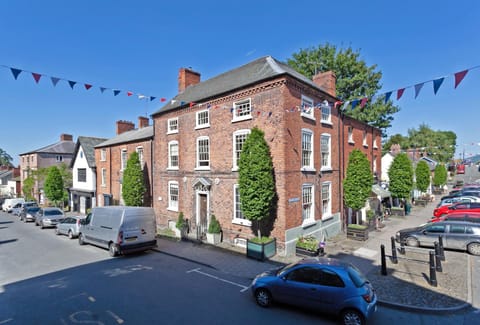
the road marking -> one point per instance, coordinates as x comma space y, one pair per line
91, 299
118, 319
6, 321
197, 270
365, 252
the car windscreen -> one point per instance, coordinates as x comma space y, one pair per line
32, 210
357, 277
52, 212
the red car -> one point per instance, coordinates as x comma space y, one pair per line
460, 169
461, 206
460, 216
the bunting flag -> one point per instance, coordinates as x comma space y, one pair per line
36, 76
15, 72
72, 83
87, 86
459, 77
400, 93
436, 84
387, 96
363, 102
418, 87
55, 81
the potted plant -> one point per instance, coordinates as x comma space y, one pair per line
181, 226
214, 231
261, 248
357, 232
307, 246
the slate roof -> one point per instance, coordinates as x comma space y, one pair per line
61, 147
129, 136
88, 145
251, 73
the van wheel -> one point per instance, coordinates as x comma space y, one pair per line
474, 249
112, 250
70, 234
81, 239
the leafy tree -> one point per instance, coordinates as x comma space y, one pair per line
133, 189
355, 80
27, 188
400, 174
440, 176
256, 180
422, 176
5, 158
395, 139
357, 185
53, 186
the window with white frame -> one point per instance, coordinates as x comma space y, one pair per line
103, 154
307, 107
172, 125
104, 177
173, 155
242, 110
173, 196
326, 112
239, 138
203, 153
365, 144
307, 149
325, 151
326, 199
140, 156
350, 134
307, 202
375, 164
238, 216
124, 158
375, 146
202, 119
58, 158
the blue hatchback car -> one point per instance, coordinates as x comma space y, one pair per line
323, 284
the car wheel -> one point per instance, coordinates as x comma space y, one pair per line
112, 250
57, 232
411, 241
352, 317
474, 249
41, 225
70, 234
263, 297
81, 239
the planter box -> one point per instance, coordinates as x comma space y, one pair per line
305, 252
357, 234
214, 239
261, 251
400, 212
421, 202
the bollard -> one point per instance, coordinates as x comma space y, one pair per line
383, 260
440, 244
394, 251
402, 248
433, 274
438, 260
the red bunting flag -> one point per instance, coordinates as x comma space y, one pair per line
87, 86
129, 93
459, 77
400, 93
163, 99
363, 102
191, 104
338, 102
36, 76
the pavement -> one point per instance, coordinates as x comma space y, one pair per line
406, 285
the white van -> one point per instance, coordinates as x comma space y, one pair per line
8, 204
121, 229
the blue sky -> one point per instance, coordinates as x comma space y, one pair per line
139, 46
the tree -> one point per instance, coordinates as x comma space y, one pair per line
5, 158
256, 180
53, 186
357, 185
27, 188
422, 176
133, 186
395, 139
355, 80
400, 174
440, 175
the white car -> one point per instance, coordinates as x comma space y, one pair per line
452, 200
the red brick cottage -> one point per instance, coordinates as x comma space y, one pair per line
198, 138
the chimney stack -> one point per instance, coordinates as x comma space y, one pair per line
142, 122
327, 81
66, 137
124, 126
187, 77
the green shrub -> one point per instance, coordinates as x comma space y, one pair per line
261, 240
355, 226
309, 243
181, 223
214, 226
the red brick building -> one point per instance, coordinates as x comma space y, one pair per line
111, 159
199, 134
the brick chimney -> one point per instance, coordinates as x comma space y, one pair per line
66, 137
142, 122
187, 77
124, 126
327, 81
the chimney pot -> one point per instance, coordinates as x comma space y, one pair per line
328, 81
187, 77
66, 137
142, 121
124, 126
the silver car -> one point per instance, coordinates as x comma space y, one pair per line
69, 226
29, 214
48, 217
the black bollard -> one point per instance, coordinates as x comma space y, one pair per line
433, 274
383, 260
438, 262
402, 248
394, 251
440, 245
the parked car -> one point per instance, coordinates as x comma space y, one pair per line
20, 207
29, 214
463, 206
121, 229
459, 216
452, 200
324, 284
48, 217
460, 169
459, 235
69, 226
8, 204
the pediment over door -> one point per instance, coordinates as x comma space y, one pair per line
202, 184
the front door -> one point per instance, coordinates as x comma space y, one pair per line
202, 215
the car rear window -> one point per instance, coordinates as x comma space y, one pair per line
52, 212
356, 276
33, 210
